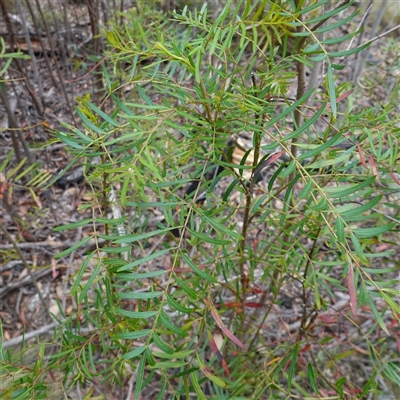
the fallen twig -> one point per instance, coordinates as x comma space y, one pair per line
26, 336
30, 335
22, 257
27, 280
33, 245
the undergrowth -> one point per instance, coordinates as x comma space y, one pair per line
184, 283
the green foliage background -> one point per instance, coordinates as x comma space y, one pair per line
179, 92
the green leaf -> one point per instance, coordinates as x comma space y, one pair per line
169, 364
136, 314
346, 53
139, 295
139, 378
361, 209
339, 227
335, 25
311, 378
69, 141
133, 335
197, 65
116, 250
102, 114
134, 353
143, 35
161, 344
141, 275
327, 162
166, 320
378, 316
186, 288
161, 391
290, 188
305, 192
136, 238
301, 9
293, 356
24, 172
230, 188
326, 15
311, 48
144, 96
390, 300
6, 161
228, 40
89, 282
369, 386
321, 148
196, 386
235, 166
222, 228
74, 225
73, 248
77, 132
339, 383
289, 169
363, 233
208, 239
179, 354
155, 204
288, 110
340, 38
143, 260
197, 270
121, 105
106, 76
62, 172
89, 123
321, 206
218, 381
184, 372
274, 176
332, 91
336, 192
177, 306
215, 40
358, 248
318, 58
6, 65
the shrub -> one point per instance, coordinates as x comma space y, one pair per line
251, 283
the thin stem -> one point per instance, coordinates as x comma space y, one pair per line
301, 88
249, 197
301, 80
304, 294
242, 244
